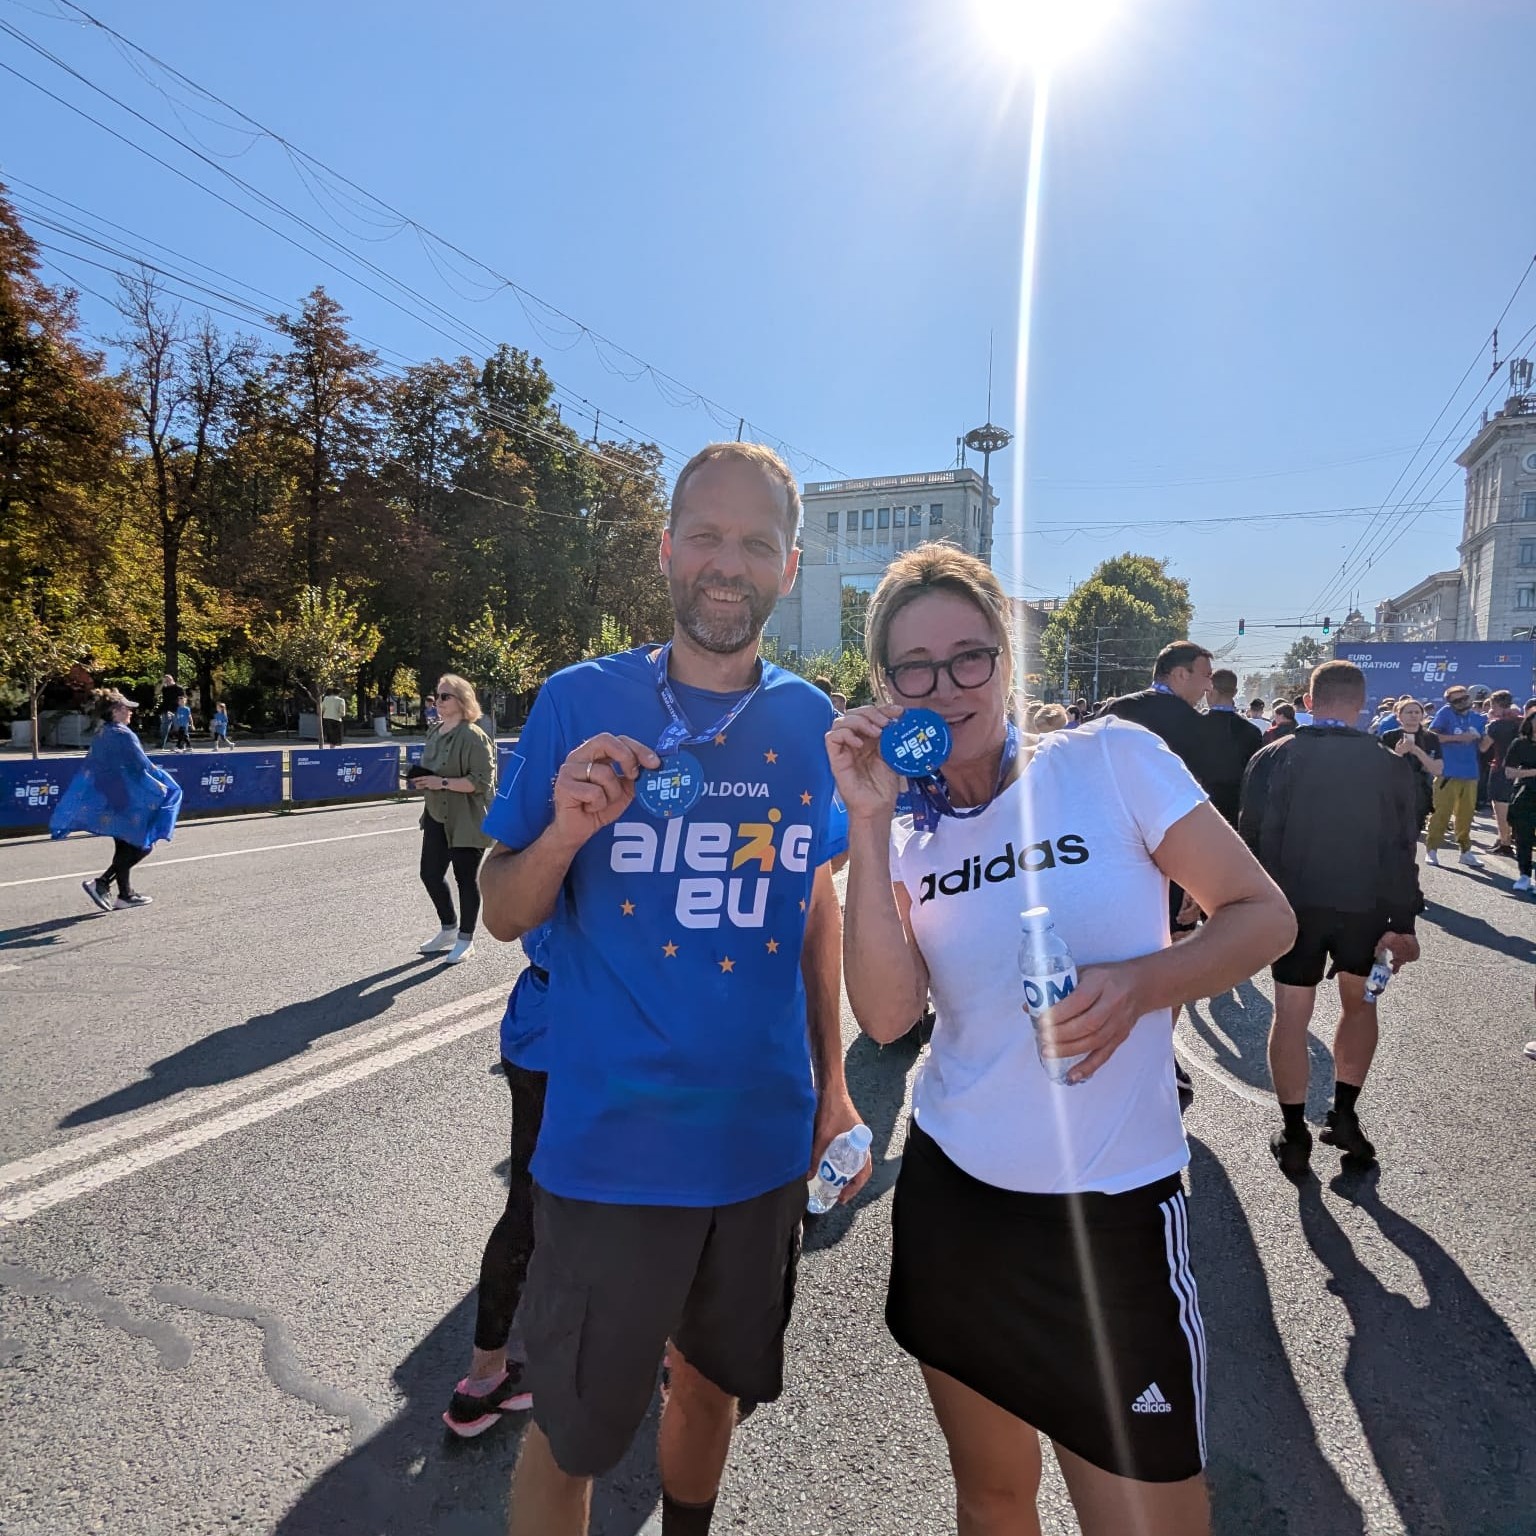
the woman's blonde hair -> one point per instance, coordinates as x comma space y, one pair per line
935, 568
464, 691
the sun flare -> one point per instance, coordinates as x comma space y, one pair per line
1039, 34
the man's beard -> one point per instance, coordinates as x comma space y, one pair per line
729, 632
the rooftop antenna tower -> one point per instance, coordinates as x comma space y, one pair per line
987, 440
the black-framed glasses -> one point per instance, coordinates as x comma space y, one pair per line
444, 696
968, 669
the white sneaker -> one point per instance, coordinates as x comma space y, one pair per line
441, 943
1433, 857
1530, 1049
1522, 884
1471, 860
460, 952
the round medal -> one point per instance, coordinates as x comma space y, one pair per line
672, 789
917, 744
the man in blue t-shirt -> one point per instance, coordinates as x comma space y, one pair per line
672, 809
1463, 736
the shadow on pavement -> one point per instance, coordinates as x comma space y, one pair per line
1474, 930
877, 1080
260, 1042
412, 1477
1235, 1028
1445, 1392
1268, 1474
38, 935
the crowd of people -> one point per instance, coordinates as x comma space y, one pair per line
663, 842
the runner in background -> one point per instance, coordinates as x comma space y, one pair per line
1503, 728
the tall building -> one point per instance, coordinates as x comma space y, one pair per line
1498, 536
1426, 611
853, 529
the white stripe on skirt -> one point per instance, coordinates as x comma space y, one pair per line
1181, 1278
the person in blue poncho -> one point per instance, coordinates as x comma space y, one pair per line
120, 794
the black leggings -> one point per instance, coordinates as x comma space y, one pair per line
1522, 826
505, 1265
124, 857
436, 856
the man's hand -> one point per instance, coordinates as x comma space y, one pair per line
1402, 947
835, 1113
596, 783
1094, 1020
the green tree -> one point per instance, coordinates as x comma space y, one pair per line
34, 651
502, 659
611, 638
321, 645
1122, 616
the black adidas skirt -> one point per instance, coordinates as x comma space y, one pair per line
1078, 1314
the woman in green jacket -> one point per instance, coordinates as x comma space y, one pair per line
458, 775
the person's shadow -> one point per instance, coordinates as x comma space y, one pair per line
877, 1082
1473, 930
1267, 1472
41, 935
412, 1477
1445, 1392
1235, 1027
262, 1041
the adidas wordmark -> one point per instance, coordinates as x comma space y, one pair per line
1152, 1401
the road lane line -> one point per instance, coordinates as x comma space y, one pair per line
147, 1121
87, 1181
228, 853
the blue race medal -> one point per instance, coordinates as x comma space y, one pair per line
674, 788
916, 744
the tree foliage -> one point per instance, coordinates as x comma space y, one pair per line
1125, 613
1293, 674
322, 643
35, 650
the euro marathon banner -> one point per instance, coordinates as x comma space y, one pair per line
226, 781
342, 773
29, 790
1427, 670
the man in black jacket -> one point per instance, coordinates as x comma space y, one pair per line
1334, 820
1233, 740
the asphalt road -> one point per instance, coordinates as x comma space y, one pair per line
251, 1146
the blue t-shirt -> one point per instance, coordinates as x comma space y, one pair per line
183, 715
524, 1024
1459, 758
1387, 723
680, 1071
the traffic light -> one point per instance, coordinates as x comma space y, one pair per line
1327, 625
1242, 626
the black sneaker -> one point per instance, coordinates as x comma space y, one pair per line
1342, 1130
1293, 1152
470, 1414
1186, 1086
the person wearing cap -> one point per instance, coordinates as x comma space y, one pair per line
118, 793
1463, 735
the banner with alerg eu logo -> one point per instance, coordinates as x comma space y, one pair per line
29, 790
341, 773
226, 781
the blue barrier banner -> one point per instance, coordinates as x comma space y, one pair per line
504, 750
1426, 669
225, 781
413, 751
30, 790
341, 773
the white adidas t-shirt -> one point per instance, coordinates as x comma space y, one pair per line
1074, 832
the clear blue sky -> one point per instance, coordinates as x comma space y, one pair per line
1274, 236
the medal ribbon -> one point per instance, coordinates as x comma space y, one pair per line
680, 733
930, 798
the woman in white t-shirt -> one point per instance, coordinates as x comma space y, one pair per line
1040, 1268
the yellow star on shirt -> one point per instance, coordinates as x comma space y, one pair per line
727, 964
669, 949
802, 906
627, 908
773, 946
720, 739
805, 797
770, 756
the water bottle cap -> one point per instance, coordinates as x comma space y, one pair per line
1036, 919
861, 1137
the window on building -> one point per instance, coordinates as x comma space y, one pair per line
831, 522
832, 554
883, 517
898, 517
869, 517
1528, 551
1525, 597
884, 536
935, 514
1528, 505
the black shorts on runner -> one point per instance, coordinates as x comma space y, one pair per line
1349, 938
610, 1284
1499, 786
1099, 1346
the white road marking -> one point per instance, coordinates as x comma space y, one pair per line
1192, 1058
147, 1121
88, 1180
228, 853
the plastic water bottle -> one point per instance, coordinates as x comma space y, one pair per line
1381, 974
1049, 974
844, 1159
